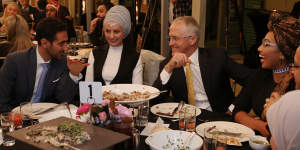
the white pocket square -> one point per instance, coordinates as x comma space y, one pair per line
56, 80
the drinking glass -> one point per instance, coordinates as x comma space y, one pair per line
7, 125
209, 141
181, 119
26, 110
221, 142
190, 118
143, 112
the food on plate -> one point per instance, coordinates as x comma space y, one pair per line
260, 142
132, 96
66, 133
229, 138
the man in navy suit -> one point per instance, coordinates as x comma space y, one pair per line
211, 69
22, 71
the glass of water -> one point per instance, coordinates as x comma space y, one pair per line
143, 112
190, 118
7, 125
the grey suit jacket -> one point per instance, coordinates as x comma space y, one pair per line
17, 80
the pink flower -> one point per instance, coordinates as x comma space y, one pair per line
83, 109
102, 116
123, 111
105, 102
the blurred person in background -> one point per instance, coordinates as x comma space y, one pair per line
29, 13
52, 11
18, 36
96, 26
42, 9
10, 9
117, 61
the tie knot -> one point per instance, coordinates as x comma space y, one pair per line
187, 64
45, 65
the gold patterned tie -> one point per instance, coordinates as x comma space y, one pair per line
189, 83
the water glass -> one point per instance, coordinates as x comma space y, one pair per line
7, 125
26, 110
181, 119
190, 118
221, 142
209, 141
143, 112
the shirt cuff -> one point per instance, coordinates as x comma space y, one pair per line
75, 78
231, 107
165, 76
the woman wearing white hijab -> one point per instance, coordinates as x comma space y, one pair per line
118, 61
283, 116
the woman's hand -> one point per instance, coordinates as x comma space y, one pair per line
261, 127
275, 96
93, 24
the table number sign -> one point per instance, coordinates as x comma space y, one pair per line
90, 92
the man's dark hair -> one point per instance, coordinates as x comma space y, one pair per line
42, 4
106, 3
48, 27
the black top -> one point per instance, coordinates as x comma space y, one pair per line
96, 37
254, 94
129, 59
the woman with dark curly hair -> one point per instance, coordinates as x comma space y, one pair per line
274, 78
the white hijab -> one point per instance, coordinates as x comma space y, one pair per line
284, 119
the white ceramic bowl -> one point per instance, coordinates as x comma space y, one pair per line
254, 145
172, 139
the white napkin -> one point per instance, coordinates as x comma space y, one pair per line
148, 129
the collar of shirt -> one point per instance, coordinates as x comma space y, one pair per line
39, 59
114, 48
194, 57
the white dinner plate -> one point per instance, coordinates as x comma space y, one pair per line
36, 107
229, 127
63, 113
168, 108
60, 111
127, 88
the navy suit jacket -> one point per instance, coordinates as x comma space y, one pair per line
17, 80
216, 69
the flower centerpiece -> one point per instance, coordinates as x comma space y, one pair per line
108, 114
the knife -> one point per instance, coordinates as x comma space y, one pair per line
50, 109
179, 107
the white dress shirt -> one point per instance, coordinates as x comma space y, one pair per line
111, 67
39, 70
201, 99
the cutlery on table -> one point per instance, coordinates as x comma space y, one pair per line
188, 139
178, 108
175, 109
49, 109
68, 107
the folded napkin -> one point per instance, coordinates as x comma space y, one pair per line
155, 127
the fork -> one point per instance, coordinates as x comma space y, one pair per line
68, 107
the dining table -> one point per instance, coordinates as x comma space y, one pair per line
205, 116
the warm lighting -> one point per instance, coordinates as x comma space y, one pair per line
83, 6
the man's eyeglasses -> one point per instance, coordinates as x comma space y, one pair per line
294, 66
175, 38
266, 43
